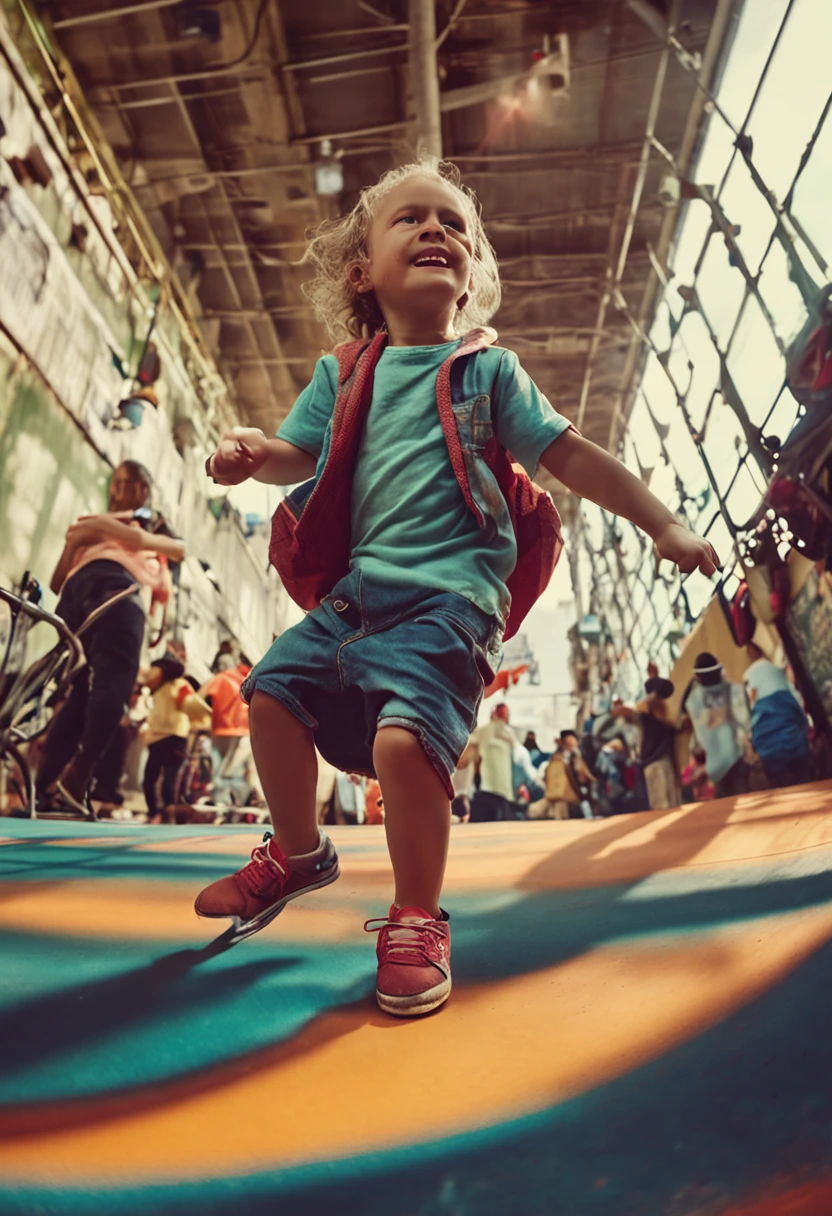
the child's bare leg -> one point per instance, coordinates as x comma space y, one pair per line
284, 753
417, 817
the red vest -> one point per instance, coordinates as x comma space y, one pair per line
311, 533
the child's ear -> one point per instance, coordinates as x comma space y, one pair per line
359, 278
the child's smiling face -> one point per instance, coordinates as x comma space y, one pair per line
420, 250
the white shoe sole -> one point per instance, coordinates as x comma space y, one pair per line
415, 1006
73, 803
241, 929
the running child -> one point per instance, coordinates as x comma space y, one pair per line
176, 712
385, 674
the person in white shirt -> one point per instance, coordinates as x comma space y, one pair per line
492, 747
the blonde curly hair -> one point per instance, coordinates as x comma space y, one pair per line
338, 244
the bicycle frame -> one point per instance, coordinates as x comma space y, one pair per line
26, 687
23, 696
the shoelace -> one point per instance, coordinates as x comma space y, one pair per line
259, 875
411, 943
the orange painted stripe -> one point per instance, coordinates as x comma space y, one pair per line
358, 1081
123, 909
483, 857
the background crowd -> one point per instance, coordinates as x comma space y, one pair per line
138, 736
724, 738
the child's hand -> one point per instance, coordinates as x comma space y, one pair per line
242, 452
687, 551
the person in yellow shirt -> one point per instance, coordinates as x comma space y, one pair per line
566, 774
657, 736
177, 710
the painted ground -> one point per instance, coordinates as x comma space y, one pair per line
639, 1025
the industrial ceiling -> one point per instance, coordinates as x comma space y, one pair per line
238, 126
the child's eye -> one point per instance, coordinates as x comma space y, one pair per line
407, 219
458, 224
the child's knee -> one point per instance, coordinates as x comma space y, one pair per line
266, 713
397, 745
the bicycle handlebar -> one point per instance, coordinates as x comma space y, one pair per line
23, 686
40, 614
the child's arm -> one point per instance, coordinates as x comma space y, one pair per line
592, 473
246, 452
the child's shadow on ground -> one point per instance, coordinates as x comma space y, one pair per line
59, 1023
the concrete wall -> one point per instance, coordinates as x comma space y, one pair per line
73, 322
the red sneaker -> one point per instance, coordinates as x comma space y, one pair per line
414, 961
255, 895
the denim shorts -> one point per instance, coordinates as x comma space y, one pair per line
374, 655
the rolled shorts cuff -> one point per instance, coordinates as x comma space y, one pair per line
439, 757
271, 685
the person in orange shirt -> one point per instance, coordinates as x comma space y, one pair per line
374, 812
229, 728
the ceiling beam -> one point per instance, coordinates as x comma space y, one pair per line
424, 77
332, 136
111, 14
146, 103
354, 33
325, 60
527, 219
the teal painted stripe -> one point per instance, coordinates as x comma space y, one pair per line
710, 1122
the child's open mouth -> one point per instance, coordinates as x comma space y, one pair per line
432, 259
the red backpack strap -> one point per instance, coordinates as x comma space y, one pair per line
476, 340
348, 354
312, 551
356, 368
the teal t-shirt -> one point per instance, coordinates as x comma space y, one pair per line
410, 524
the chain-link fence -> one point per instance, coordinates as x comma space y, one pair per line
712, 407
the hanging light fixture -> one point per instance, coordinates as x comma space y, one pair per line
329, 174
197, 21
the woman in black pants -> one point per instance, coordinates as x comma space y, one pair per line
103, 554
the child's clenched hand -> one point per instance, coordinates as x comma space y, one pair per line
242, 452
688, 551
